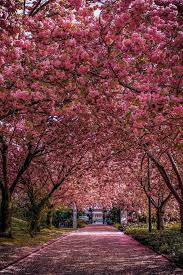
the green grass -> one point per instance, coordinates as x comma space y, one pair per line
168, 242
21, 237
117, 226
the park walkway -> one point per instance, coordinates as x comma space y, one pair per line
97, 250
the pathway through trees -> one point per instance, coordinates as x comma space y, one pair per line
95, 249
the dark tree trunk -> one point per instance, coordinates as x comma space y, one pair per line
36, 211
181, 218
35, 220
6, 215
149, 198
149, 214
49, 218
159, 216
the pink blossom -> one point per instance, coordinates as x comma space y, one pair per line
81, 80
36, 85
126, 43
20, 94
68, 65
83, 69
21, 124
121, 19
159, 119
104, 72
84, 55
71, 43
57, 63
2, 60
94, 93
158, 56
1, 79
178, 111
18, 53
19, 43
76, 3
45, 63
174, 59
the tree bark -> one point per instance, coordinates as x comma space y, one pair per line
49, 217
159, 216
36, 211
181, 218
149, 198
35, 220
6, 214
167, 179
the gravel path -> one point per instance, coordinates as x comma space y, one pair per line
95, 250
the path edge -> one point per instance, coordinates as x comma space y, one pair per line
44, 245
157, 252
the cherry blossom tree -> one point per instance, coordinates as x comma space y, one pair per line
40, 88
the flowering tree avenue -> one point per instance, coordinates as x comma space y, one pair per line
59, 99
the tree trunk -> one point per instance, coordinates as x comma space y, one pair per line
181, 218
49, 218
159, 216
6, 215
123, 217
35, 221
149, 214
138, 218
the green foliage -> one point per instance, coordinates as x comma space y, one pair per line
114, 215
23, 238
117, 225
19, 212
19, 225
63, 217
168, 241
142, 219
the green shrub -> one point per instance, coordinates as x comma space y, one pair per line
62, 217
117, 225
168, 241
164, 248
114, 215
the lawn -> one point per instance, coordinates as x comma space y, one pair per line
21, 237
168, 242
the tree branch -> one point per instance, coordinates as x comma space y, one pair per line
166, 177
21, 170
176, 170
